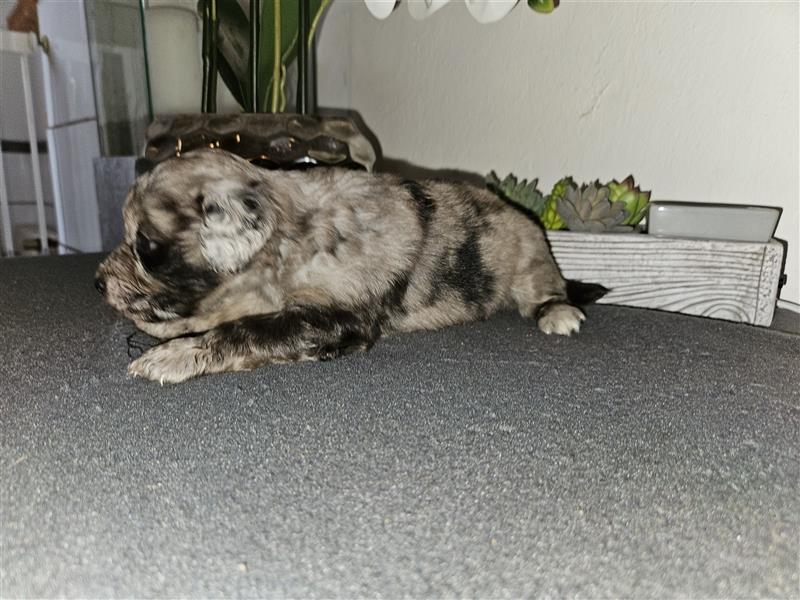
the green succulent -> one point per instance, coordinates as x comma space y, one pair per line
550, 217
635, 200
588, 208
522, 193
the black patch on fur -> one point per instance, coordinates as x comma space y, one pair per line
463, 271
304, 225
187, 284
300, 332
181, 221
438, 280
250, 200
475, 283
187, 279
169, 205
394, 297
143, 165
424, 204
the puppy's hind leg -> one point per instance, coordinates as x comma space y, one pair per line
542, 292
300, 333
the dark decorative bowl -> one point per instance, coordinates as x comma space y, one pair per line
274, 141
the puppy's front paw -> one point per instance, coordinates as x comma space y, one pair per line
561, 319
173, 361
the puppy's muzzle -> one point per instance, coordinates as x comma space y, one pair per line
117, 282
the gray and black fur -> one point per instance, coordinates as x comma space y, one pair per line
238, 267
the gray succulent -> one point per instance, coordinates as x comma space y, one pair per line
588, 208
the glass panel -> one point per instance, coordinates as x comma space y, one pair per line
121, 83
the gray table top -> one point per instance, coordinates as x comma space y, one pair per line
651, 455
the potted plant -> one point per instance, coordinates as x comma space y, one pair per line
596, 234
251, 54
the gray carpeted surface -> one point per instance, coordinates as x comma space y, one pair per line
653, 455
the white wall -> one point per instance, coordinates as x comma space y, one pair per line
699, 100
174, 39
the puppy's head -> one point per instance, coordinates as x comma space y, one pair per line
191, 224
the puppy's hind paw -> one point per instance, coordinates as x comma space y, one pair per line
173, 361
560, 318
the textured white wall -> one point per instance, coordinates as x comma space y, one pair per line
699, 100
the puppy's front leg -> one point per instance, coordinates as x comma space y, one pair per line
299, 333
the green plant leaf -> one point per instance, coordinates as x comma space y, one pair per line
635, 200
543, 6
289, 33
522, 193
550, 217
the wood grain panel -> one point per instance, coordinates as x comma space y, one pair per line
735, 281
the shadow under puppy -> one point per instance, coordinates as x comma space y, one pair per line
238, 266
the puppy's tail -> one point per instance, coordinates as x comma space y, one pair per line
580, 293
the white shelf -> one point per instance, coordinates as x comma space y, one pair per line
23, 45
16, 42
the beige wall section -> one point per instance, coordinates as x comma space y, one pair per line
174, 39
699, 100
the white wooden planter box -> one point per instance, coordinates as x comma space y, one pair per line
735, 281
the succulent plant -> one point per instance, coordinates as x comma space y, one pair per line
519, 192
617, 206
635, 200
550, 217
588, 208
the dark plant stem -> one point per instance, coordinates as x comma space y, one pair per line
210, 35
206, 44
304, 21
255, 28
146, 62
212, 88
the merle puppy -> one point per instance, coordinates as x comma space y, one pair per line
237, 266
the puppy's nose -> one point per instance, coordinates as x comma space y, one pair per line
100, 284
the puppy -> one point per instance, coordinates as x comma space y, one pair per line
237, 266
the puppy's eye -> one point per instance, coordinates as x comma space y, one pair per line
150, 252
145, 246
251, 203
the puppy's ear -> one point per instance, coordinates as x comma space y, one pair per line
236, 222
